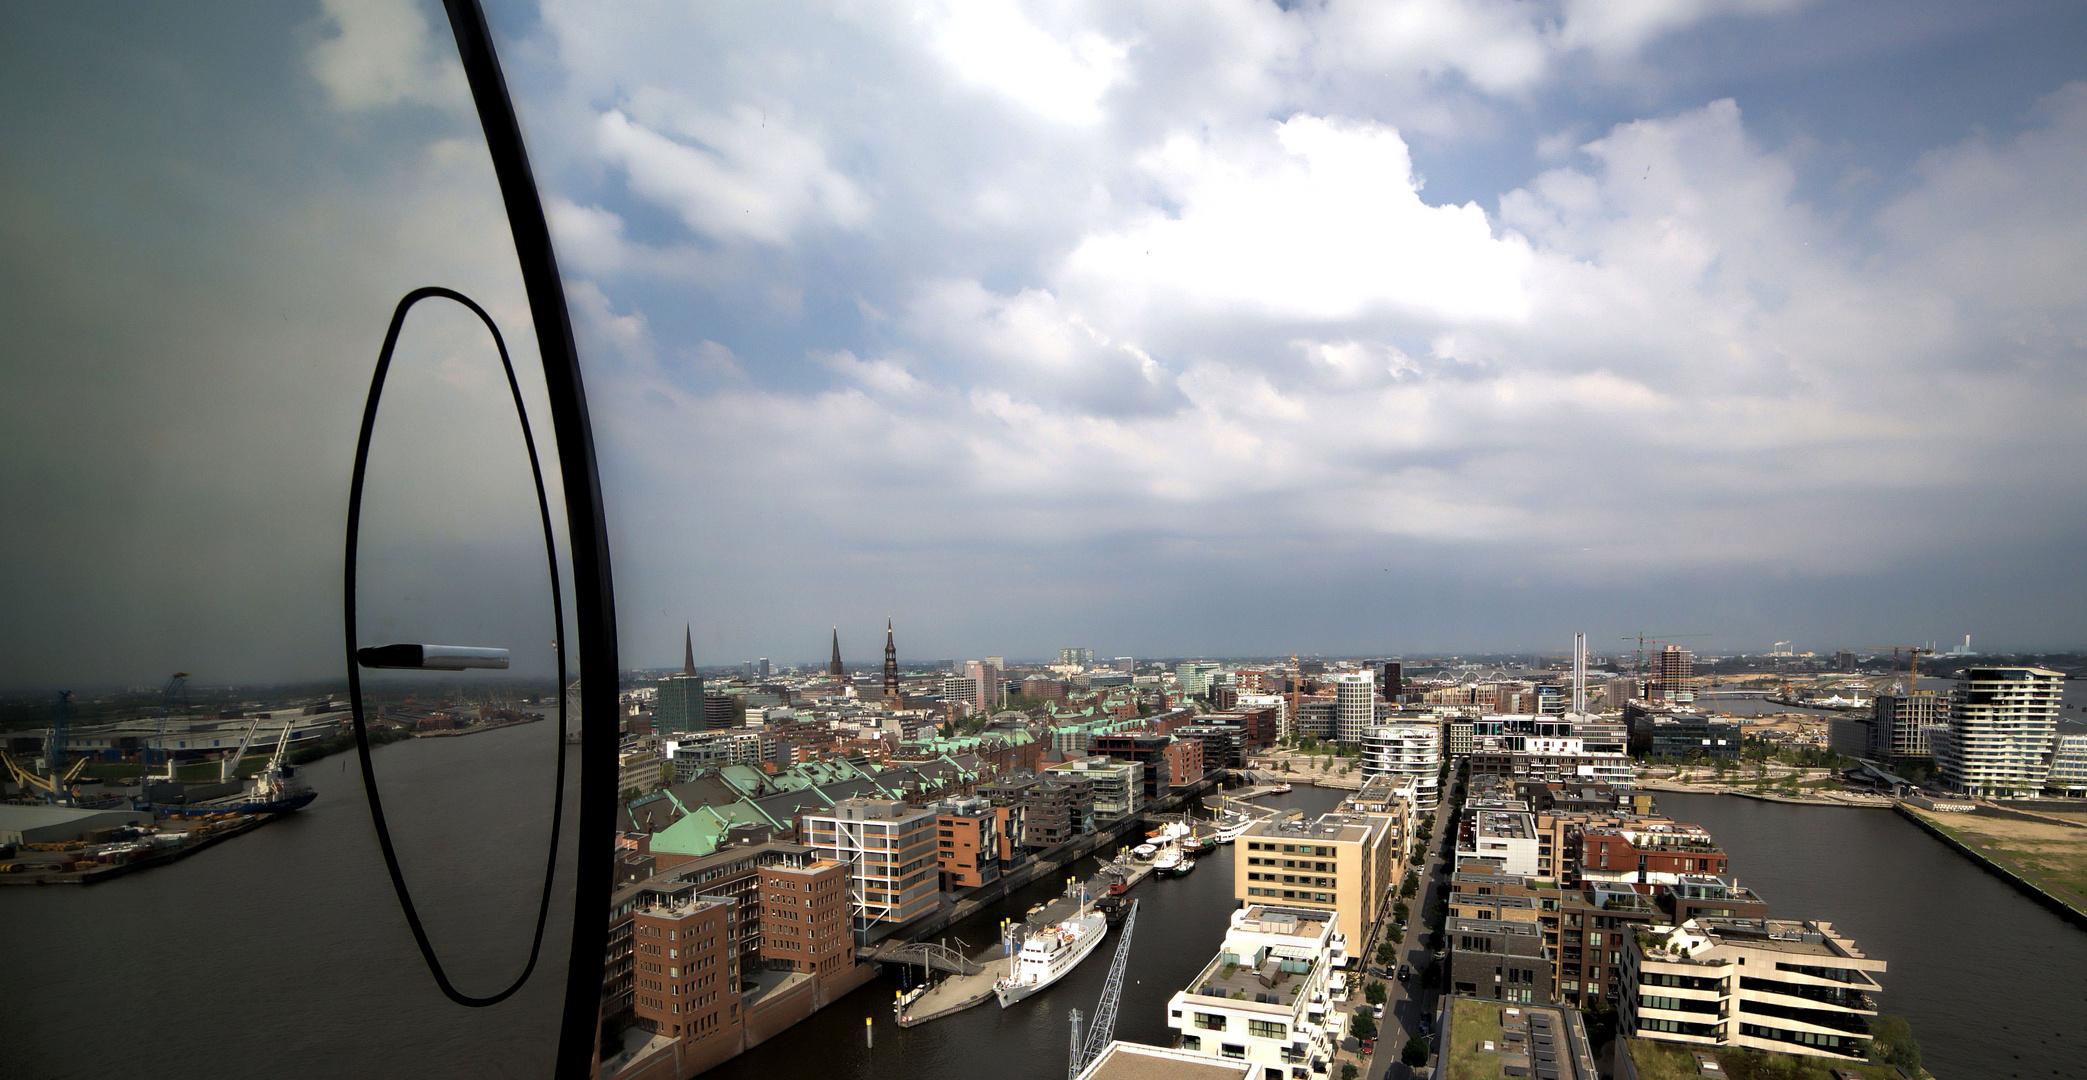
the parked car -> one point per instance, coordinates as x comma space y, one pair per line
1405, 972
1377, 1011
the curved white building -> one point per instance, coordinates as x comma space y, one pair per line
1408, 753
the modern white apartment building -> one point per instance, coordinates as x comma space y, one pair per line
1407, 751
1264, 998
1773, 985
1119, 786
2002, 721
1354, 705
2068, 775
1506, 836
894, 871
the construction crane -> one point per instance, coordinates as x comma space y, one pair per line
56, 781
1913, 655
228, 769
1659, 639
177, 685
1104, 1028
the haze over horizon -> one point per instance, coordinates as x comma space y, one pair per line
1445, 326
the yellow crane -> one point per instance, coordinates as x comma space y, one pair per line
1913, 655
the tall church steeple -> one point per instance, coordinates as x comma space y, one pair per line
891, 662
688, 650
835, 669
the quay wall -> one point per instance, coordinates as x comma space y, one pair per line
1998, 869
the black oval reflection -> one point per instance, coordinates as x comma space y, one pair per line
428, 477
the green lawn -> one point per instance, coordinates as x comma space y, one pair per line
203, 771
1471, 1023
1674, 1061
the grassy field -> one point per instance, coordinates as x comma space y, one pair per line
1672, 1061
1471, 1023
200, 772
2053, 856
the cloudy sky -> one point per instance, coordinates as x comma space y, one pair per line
1234, 328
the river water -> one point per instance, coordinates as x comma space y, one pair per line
1994, 985
283, 953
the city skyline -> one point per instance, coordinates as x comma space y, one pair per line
1276, 330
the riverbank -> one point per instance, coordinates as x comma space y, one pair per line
1815, 798
2038, 859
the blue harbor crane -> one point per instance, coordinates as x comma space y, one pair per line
1104, 1027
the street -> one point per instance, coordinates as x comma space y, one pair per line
1407, 1002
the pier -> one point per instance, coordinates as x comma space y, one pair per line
963, 989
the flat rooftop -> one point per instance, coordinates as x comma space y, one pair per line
1136, 1061
1506, 824
1490, 1040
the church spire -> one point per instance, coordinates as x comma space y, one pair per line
688, 650
891, 662
835, 669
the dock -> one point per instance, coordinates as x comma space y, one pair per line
961, 990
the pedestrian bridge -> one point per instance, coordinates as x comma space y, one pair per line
921, 954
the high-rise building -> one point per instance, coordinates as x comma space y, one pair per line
1355, 705
1126, 664
891, 663
1076, 657
1675, 668
765, 669
960, 690
2001, 725
1905, 724
680, 705
834, 670
1407, 753
1394, 680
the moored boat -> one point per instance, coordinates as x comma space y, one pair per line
1049, 954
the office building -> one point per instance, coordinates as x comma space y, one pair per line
686, 969
1769, 985
1193, 677
1339, 862
960, 691
1407, 752
1355, 706
679, 707
1263, 1000
967, 842
1056, 809
1394, 681
1076, 657
894, 873
2001, 724
1117, 786
804, 921
1685, 735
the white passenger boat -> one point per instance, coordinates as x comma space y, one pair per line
1232, 824
1169, 862
1145, 851
1049, 954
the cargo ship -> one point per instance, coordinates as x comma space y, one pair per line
276, 789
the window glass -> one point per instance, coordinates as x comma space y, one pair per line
209, 213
